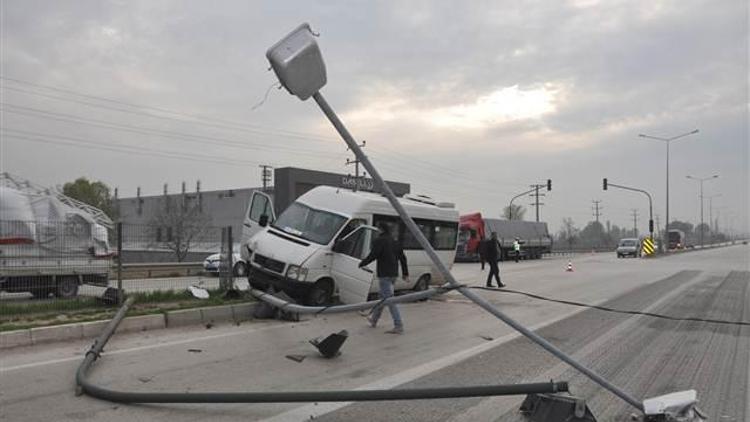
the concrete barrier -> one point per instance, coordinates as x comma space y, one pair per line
142, 323
84, 330
56, 333
15, 339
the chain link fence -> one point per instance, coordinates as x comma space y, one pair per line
61, 265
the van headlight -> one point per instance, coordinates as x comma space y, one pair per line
296, 272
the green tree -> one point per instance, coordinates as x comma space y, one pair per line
593, 235
94, 193
518, 212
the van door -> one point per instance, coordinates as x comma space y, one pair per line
353, 282
260, 204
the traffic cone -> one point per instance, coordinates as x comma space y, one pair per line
570, 267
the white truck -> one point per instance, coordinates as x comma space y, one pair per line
50, 243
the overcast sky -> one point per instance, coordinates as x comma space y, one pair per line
470, 102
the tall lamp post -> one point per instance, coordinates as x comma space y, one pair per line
713, 227
701, 180
667, 141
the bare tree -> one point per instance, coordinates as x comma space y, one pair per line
569, 232
518, 212
179, 226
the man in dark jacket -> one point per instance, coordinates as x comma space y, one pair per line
492, 254
388, 254
481, 247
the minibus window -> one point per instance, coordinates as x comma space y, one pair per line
410, 242
445, 236
353, 224
308, 223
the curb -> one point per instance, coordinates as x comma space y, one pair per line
91, 329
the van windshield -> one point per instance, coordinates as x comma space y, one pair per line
627, 243
308, 223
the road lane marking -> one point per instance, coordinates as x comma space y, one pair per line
138, 348
318, 409
490, 407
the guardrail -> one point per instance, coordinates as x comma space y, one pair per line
158, 269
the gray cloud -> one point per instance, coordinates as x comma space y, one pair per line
620, 67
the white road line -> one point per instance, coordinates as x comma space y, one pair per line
490, 407
319, 409
138, 349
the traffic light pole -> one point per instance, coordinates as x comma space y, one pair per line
650, 204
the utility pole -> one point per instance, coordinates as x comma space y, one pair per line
355, 161
265, 175
635, 222
535, 188
597, 210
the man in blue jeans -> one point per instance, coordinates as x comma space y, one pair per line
388, 254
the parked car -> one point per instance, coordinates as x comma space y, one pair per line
211, 265
629, 247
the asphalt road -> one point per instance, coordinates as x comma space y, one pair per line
448, 342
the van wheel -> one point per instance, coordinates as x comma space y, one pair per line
67, 287
240, 270
422, 284
321, 293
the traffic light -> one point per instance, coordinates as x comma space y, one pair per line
604, 183
651, 226
549, 185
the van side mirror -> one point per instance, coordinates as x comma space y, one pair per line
263, 220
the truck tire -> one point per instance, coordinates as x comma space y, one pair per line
321, 293
67, 287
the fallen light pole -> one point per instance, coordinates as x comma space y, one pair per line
298, 63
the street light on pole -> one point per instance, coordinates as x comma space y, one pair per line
667, 141
701, 180
713, 227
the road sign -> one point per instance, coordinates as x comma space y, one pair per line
648, 246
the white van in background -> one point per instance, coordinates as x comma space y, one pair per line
312, 251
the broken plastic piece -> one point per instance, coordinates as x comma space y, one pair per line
198, 292
556, 407
330, 346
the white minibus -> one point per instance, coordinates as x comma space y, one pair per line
312, 251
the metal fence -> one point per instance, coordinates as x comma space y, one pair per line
59, 265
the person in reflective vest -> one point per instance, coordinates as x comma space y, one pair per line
517, 249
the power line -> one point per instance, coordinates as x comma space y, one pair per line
614, 310
223, 123
66, 140
64, 117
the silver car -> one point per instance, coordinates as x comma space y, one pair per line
211, 265
629, 247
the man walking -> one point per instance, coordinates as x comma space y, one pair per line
492, 253
517, 249
481, 250
388, 254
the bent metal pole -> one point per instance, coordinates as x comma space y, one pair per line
386, 190
85, 386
